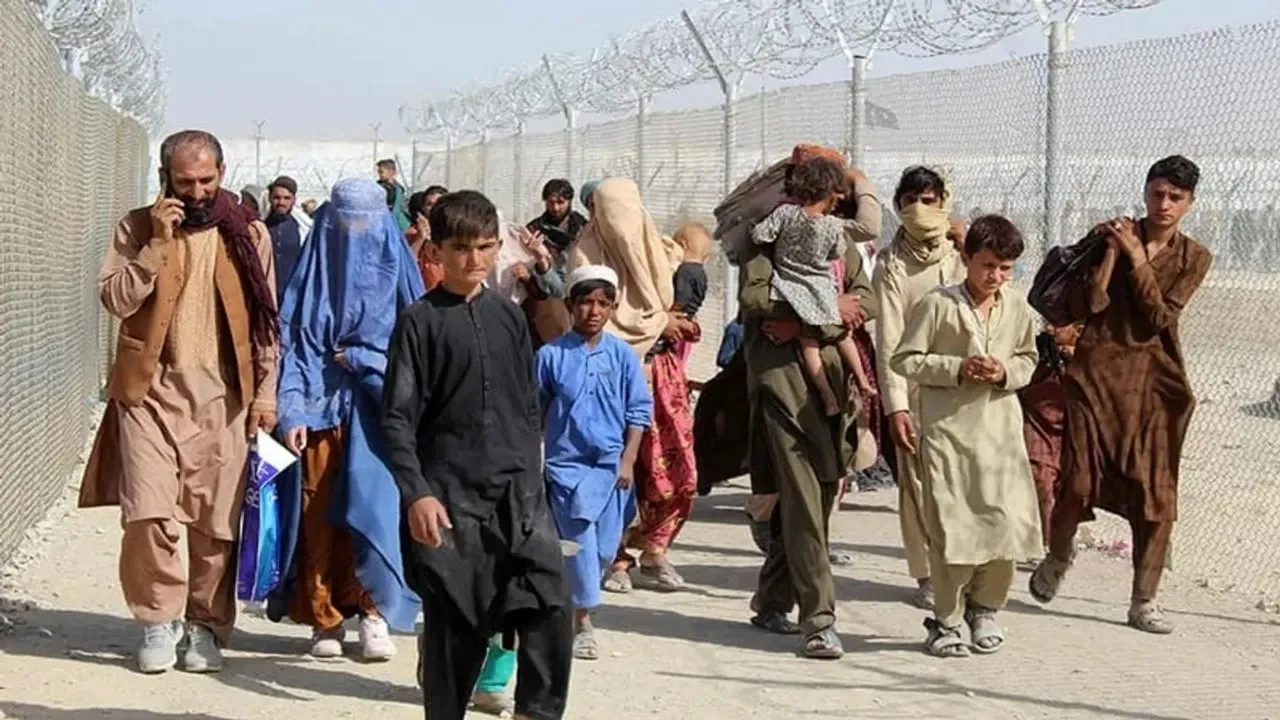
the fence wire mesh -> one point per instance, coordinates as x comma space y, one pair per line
69, 167
1209, 96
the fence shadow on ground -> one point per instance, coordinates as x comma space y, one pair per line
28, 711
901, 682
268, 665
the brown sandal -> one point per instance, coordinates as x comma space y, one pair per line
663, 576
618, 581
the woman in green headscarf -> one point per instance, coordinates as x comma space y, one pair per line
585, 192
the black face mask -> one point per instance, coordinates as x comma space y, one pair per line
197, 214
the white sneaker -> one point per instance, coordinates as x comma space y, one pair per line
375, 639
159, 650
204, 654
327, 644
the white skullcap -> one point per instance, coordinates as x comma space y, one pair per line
592, 272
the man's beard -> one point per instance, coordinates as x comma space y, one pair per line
197, 214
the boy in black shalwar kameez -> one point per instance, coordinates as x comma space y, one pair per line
462, 433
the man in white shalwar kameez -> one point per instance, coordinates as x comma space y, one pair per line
969, 348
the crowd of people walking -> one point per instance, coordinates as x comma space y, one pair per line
495, 426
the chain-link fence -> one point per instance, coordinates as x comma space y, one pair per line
69, 167
1209, 96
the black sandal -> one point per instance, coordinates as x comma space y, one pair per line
776, 623
943, 641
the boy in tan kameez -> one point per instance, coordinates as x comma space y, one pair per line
192, 280
969, 348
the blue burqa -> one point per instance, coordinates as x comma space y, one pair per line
354, 276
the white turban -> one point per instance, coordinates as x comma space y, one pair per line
591, 272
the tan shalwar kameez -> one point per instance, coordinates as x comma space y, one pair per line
979, 502
183, 449
905, 273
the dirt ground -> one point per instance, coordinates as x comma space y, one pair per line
65, 645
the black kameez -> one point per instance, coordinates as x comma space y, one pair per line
461, 423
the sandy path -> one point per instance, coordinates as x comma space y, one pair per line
66, 643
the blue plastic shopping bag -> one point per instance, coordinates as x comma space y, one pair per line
259, 567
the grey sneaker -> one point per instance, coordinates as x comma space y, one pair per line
159, 650
203, 654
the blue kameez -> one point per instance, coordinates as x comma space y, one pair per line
591, 396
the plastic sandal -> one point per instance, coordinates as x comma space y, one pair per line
663, 576
985, 633
776, 623
823, 645
585, 646
944, 642
619, 582
1148, 617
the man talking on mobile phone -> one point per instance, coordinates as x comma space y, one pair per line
192, 280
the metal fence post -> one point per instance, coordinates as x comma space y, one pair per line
642, 112
730, 281
570, 140
764, 129
1055, 149
858, 112
730, 90
517, 163
413, 165
484, 161
257, 152
448, 158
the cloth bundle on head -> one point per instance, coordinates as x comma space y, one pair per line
622, 236
806, 151
757, 196
587, 273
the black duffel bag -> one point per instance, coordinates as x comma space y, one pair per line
1063, 268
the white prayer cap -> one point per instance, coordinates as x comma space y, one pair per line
592, 272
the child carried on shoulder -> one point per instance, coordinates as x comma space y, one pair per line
806, 240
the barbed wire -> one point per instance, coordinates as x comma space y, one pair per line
100, 42
728, 40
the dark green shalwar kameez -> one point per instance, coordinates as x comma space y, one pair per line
794, 450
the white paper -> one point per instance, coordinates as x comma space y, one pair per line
272, 454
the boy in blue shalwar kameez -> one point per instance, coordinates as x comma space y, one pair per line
596, 406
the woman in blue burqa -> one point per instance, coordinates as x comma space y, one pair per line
341, 508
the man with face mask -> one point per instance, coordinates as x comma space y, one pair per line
286, 230
920, 259
192, 280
